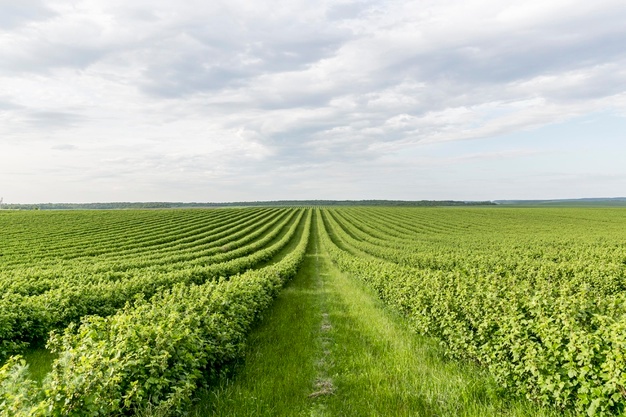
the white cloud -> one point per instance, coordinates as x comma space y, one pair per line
192, 92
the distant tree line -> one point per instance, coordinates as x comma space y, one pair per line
166, 205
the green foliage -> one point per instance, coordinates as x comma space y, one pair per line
37, 300
148, 305
546, 317
151, 354
18, 393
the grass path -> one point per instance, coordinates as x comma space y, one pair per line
328, 347
283, 356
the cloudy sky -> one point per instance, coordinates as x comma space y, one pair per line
190, 100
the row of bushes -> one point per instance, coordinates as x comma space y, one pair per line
150, 354
35, 276
27, 320
559, 345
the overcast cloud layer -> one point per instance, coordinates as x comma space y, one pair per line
110, 100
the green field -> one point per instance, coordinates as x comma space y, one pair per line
351, 311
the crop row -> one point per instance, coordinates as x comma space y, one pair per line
36, 279
152, 353
559, 341
157, 232
27, 319
49, 234
600, 266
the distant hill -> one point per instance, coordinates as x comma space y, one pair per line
590, 202
162, 205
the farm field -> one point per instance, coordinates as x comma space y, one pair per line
519, 311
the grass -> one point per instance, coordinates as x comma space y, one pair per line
382, 368
328, 347
280, 365
39, 362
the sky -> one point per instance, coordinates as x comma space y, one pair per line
215, 101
